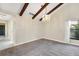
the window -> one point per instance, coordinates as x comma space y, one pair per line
2, 29
74, 30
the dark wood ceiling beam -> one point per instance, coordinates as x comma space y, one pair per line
40, 10
55, 8
23, 9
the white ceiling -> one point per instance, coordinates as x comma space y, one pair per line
11, 7
34, 7
15, 8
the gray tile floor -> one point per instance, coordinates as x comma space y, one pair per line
42, 47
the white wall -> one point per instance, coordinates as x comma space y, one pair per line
56, 28
26, 29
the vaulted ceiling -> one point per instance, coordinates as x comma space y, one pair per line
31, 9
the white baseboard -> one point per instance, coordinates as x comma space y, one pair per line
62, 42
16, 44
